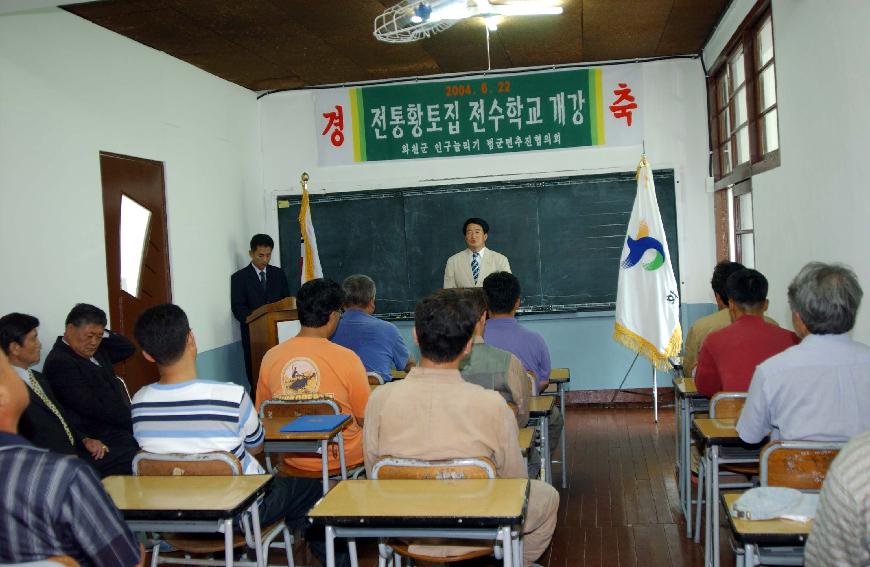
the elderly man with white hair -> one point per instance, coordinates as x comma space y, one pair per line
819, 389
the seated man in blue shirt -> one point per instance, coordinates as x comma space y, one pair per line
818, 390
378, 343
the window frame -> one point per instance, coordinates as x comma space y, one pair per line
745, 40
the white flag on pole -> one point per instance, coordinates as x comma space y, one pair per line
309, 260
647, 297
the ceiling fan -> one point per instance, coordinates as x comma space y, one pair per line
412, 20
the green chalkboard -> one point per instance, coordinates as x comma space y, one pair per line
563, 236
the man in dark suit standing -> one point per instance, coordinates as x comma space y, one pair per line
253, 286
43, 422
94, 400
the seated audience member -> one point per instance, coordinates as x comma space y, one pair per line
95, 401
434, 414
376, 342
503, 331
729, 356
842, 523
310, 365
43, 422
182, 414
713, 322
820, 389
494, 368
53, 505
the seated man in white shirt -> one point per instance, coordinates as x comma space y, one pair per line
819, 389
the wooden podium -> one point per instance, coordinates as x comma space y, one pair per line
263, 330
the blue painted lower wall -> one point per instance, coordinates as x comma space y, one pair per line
223, 364
580, 341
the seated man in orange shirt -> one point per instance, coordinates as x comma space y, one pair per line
729, 356
310, 364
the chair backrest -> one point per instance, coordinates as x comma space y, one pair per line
726, 405
215, 463
453, 469
797, 464
286, 408
375, 379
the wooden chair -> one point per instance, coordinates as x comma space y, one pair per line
797, 464
294, 409
217, 463
375, 379
724, 405
453, 469
533, 382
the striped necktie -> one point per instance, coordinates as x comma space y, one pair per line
37, 389
475, 266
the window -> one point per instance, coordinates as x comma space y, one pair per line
743, 233
744, 134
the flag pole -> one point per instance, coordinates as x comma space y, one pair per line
655, 395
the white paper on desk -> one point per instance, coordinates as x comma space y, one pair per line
770, 502
805, 510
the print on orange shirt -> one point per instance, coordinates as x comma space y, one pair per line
300, 376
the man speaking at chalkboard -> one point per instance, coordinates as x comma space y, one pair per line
469, 267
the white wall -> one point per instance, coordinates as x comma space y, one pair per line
815, 206
70, 89
676, 137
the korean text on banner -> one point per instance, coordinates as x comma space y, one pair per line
647, 300
482, 115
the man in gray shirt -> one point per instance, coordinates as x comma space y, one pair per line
819, 389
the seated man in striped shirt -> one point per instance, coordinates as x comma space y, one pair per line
181, 414
52, 504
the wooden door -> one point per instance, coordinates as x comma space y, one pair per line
137, 250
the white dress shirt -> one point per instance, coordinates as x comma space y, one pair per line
818, 390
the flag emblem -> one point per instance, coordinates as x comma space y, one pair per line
639, 246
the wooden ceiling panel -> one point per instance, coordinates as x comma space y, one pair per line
689, 25
544, 40
620, 29
270, 44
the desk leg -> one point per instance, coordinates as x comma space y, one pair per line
748, 555
258, 535
685, 466
563, 447
324, 460
330, 546
517, 547
228, 542
708, 479
545, 449
341, 456
507, 546
713, 503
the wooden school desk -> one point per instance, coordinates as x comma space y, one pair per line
688, 402
558, 378
398, 374
189, 504
785, 537
716, 434
486, 509
539, 409
306, 442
